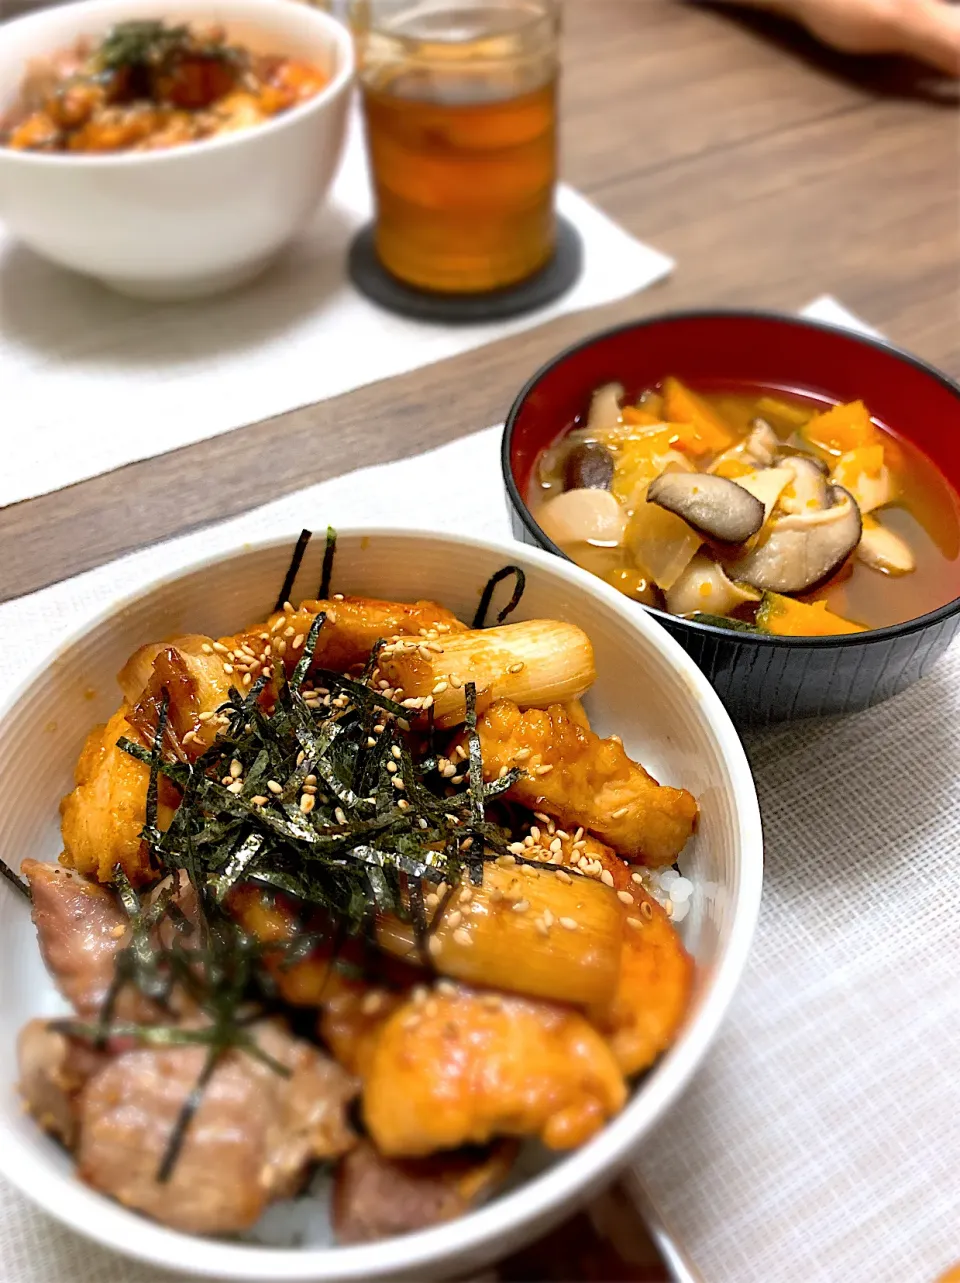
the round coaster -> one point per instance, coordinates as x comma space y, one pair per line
552, 280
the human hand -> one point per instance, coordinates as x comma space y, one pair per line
925, 29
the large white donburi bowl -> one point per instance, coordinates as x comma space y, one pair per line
648, 691
191, 220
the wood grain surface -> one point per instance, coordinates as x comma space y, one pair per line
773, 172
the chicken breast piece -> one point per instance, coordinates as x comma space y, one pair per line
462, 1067
583, 780
654, 991
101, 820
353, 625
376, 1197
250, 1141
80, 929
53, 1069
655, 974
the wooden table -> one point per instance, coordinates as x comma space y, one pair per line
773, 172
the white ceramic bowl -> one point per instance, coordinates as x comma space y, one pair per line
195, 219
648, 690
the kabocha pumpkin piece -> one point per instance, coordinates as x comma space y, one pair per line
783, 617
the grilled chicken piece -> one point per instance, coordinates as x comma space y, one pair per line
353, 625
376, 1197
80, 929
308, 982
461, 1067
53, 1069
351, 1022
102, 818
193, 675
655, 988
586, 781
251, 1140
655, 981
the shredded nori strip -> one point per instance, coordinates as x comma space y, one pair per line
487, 595
293, 569
15, 880
328, 554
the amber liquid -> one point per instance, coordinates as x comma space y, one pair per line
462, 137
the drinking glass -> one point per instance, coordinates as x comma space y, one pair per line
460, 104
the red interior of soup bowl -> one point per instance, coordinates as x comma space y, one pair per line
907, 396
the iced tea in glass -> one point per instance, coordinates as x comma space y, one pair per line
460, 102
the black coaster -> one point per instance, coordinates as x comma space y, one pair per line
553, 279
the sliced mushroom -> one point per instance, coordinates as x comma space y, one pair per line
762, 445
704, 586
807, 492
759, 449
864, 473
767, 484
583, 516
588, 466
604, 412
802, 549
713, 506
882, 549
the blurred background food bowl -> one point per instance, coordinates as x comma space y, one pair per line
193, 219
760, 679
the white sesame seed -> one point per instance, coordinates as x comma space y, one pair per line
297, 641
274, 787
236, 769
521, 906
307, 803
619, 813
454, 917
235, 787
515, 668
433, 946
625, 897
636, 877
220, 648
339, 815
635, 923
564, 877
462, 936
606, 877
205, 717
228, 668
207, 648
259, 800
568, 923
397, 782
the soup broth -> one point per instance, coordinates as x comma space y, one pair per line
906, 497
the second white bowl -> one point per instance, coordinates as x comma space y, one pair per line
647, 690
195, 219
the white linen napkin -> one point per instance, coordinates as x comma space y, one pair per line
820, 1142
93, 381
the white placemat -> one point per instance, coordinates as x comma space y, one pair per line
821, 1141
92, 381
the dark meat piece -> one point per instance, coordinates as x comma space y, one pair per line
376, 1197
250, 1141
53, 1069
80, 928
